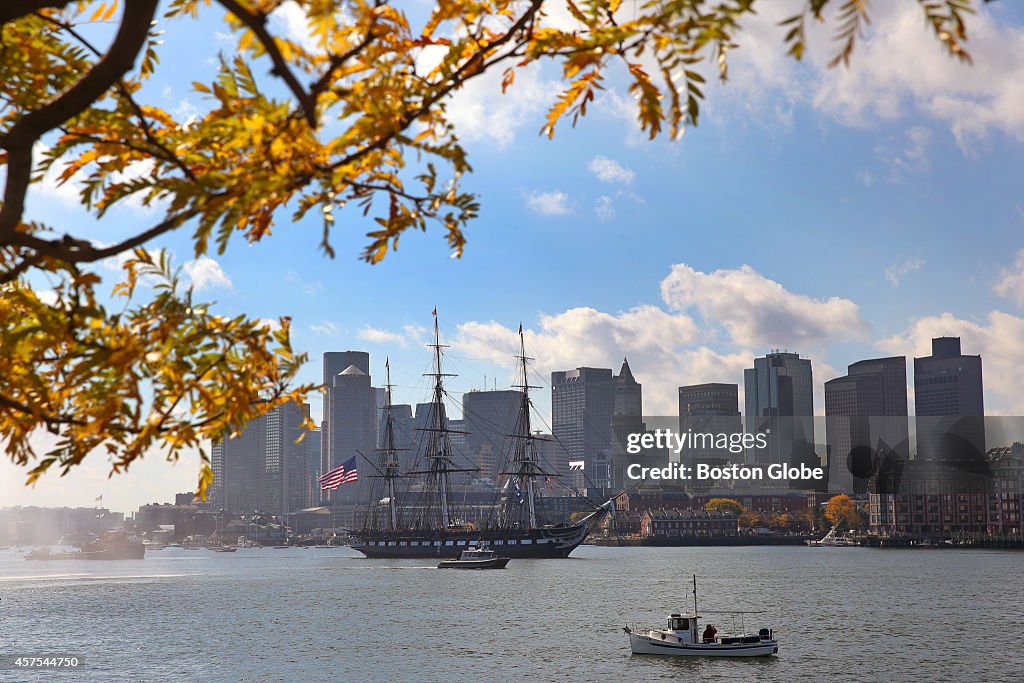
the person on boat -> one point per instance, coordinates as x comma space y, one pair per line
709, 634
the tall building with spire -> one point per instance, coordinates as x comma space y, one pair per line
627, 416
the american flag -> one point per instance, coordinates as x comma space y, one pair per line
342, 474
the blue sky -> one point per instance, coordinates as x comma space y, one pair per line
840, 214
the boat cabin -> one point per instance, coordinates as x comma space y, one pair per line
478, 553
684, 627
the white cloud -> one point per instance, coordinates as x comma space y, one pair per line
290, 18
604, 207
312, 288
669, 348
910, 158
1011, 281
610, 171
49, 186
996, 339
324, 327
759, 312
897, 271
554, 203
901, 67
653, 339
206, 273
378, 336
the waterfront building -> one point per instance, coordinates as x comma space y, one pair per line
928, 499
1006, 493
865, 411
779, 402
676, 524
950, 406
710, 408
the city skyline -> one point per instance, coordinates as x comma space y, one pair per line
795, 216
610, 389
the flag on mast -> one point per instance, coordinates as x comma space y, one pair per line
344, 473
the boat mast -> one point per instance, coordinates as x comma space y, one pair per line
695, 596
389, 454
439, 455
525, 466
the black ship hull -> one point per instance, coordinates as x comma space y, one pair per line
548, 542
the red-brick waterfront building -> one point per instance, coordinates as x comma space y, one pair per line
675, 523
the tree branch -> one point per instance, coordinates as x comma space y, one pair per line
474, 66
70, 250
19, 139
257, 23
15, 9
147, 129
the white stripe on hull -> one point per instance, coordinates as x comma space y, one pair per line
644, 645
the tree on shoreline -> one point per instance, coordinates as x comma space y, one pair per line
164, 371
841, 509
726, 505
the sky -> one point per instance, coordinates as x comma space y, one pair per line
839, 213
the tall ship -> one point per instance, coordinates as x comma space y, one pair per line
429, 525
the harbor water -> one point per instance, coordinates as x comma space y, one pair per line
327, 614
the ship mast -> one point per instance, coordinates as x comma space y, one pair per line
389, 454
525, 466
439, 451
439, 455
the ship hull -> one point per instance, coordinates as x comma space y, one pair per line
544, 543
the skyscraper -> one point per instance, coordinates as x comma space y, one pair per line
263, 468
627, 416
350, 421
312, 443
779, 401
582, 406
949, 403
336, 362
488, 419
709, 408
864, 410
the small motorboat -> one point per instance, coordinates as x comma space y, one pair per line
475, 558
682, 637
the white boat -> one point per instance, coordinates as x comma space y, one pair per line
476, 558
682, 637
834, 540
